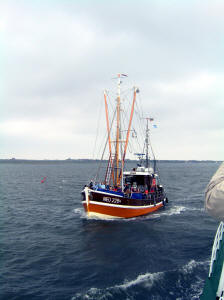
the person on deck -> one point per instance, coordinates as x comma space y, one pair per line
119, 189
102, 185
125, 187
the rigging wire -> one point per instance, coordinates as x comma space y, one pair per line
105, 135
126, 118
99, 167
137, 121
138, 124
97, 131
155, 161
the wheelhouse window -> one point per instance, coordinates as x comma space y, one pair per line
138, 179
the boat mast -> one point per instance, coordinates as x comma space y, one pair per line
130, 121
109, 139
118, 127
147, 142
107, 119
127, 137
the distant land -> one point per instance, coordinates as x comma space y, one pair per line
70, 160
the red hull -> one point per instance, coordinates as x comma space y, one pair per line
120, 212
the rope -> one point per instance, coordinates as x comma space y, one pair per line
97, 131
99, 167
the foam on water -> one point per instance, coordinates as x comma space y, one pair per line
80, 212
97, 217
202, 209
192, 264
175, 210
167, 211
146, 280
132, 289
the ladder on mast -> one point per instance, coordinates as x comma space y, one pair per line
110, 167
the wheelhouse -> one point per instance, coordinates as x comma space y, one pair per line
140, 178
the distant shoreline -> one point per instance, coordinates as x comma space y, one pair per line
14, 160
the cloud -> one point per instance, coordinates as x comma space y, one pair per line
59, 56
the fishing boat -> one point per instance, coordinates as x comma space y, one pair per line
214, 285
123, 193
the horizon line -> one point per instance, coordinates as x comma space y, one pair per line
96, 159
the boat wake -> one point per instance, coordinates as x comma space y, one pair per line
179, 284
175, 210
80, 212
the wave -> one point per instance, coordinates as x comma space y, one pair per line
81, 213
202, 209
123, 291
167, 211
192, 264
175, 210
146, 279
173, 284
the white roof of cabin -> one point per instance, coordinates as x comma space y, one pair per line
140, 171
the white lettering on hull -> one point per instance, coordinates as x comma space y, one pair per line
111, 200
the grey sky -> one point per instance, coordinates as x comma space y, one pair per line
58, 56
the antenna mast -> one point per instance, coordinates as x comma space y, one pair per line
147, 142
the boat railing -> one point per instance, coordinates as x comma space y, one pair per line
216, 245
154, 197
